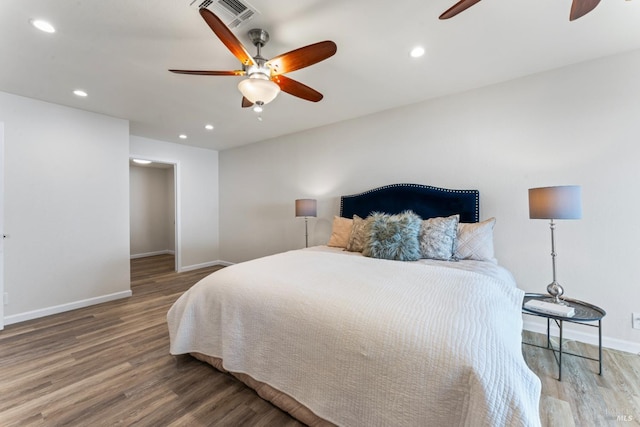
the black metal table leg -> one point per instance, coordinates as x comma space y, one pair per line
560, 355
600, 346
548, 334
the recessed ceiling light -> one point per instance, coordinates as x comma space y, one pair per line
182, 136
79, 92
208, 127
417, 52
43, 25
141, 161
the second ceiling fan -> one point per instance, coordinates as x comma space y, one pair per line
265, 77
579, 8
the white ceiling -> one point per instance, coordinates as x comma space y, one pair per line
119, 51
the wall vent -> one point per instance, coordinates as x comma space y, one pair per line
232, 12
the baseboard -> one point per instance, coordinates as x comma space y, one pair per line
35, 314
203, 265
146, 254
613, 343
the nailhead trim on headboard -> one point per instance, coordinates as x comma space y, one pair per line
470, 214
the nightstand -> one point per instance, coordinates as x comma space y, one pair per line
585, 314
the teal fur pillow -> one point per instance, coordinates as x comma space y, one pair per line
393, 237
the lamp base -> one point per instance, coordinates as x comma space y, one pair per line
556, 291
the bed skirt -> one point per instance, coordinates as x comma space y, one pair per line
270, 394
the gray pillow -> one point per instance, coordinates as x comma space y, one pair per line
438, 237
359, 234
393, 237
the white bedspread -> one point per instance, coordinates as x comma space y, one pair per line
367, 342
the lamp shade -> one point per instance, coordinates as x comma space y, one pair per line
306, 207
562, 202
259, 88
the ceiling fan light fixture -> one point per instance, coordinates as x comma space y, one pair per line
259, 88
257, 107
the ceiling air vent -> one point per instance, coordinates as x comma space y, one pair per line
232, 12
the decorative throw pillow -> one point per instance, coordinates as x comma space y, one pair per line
475, 241
438, 237
394, 236
359, 234
340, 232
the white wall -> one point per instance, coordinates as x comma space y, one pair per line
197, 197
152, 210
576, 125
66, 207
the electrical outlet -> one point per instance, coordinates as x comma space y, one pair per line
636, 320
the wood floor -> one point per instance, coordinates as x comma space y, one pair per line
109, 365
584, 398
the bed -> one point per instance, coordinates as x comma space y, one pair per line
338, 336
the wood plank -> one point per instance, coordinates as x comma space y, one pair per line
555, 412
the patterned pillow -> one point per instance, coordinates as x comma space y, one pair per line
438, 237
475, 241
359, 233
393, 237
340, 232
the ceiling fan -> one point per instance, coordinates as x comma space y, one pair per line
579, 8
265, 77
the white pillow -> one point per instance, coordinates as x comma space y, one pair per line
340, 232
475, 241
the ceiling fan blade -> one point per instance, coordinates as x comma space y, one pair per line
210, 73
246, 103
296, 88
227, 37
580, 8
301, 57
461, 6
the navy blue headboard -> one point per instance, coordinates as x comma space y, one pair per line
424, 200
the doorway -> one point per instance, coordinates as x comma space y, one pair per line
153, 209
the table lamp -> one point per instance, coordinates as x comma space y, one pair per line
306, 208
561, 202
